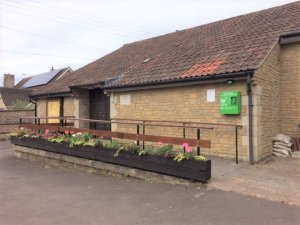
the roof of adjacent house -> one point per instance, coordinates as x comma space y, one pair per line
40, 79
232, 45
22, 82
11, 95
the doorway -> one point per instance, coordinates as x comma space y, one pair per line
99, 108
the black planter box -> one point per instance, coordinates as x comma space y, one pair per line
190, 169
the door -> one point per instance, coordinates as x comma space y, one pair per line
53, 110
99, 108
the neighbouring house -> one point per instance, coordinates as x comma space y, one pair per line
243, 70
10, 97
15, 101
37, 81
17, 96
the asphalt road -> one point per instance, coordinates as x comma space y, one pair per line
35, 193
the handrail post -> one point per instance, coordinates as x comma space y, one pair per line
39, 121
198, 138
144, 134
236, 146
20, 125
138, 132
183, 135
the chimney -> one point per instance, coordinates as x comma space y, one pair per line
9, 80
51, 68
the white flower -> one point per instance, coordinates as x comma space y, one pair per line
73, 135
79, 133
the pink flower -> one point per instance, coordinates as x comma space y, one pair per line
71, 132
66, 132
185, 145
188, 149
47, 131
159, 143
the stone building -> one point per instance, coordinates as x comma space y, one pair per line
253, 59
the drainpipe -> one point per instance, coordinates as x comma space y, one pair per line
35, 109
250, 118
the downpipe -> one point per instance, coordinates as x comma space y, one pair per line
35, 109
250, 118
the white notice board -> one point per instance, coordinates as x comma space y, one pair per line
211, 95
125, 99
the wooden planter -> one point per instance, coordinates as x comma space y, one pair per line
190, 169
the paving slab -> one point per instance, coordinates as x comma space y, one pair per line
276, 179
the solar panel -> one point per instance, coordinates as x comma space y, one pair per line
41, 79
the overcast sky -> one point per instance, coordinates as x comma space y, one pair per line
38, 34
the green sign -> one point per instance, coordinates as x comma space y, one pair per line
230, 103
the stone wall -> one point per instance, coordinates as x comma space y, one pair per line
9, 119
266, 101
2, 105
42, 109
290, 89
69, 106
188, 103
81, 107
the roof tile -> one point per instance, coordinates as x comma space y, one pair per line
231, 45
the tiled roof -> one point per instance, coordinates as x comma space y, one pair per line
22, 82
236, 44
11, 95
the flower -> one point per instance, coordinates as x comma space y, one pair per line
79, 133
47, 131
159, 143
71, 132
67, 132
185, 145
188, 149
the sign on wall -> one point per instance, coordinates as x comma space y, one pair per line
125, 99
211, 95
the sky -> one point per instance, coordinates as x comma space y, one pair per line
36, 35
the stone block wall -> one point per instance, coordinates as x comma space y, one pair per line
42, 109
2, 105
81, 107
9, 119
69, 106
188, 103
290, 89
266, 101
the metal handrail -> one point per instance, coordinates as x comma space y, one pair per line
50, 117
112, 122
145, 123
186, 122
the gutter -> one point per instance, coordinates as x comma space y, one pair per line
242, 75
291, 34
290, 38
69, 93
250, 117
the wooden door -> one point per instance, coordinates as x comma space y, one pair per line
99, 108
53, 110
